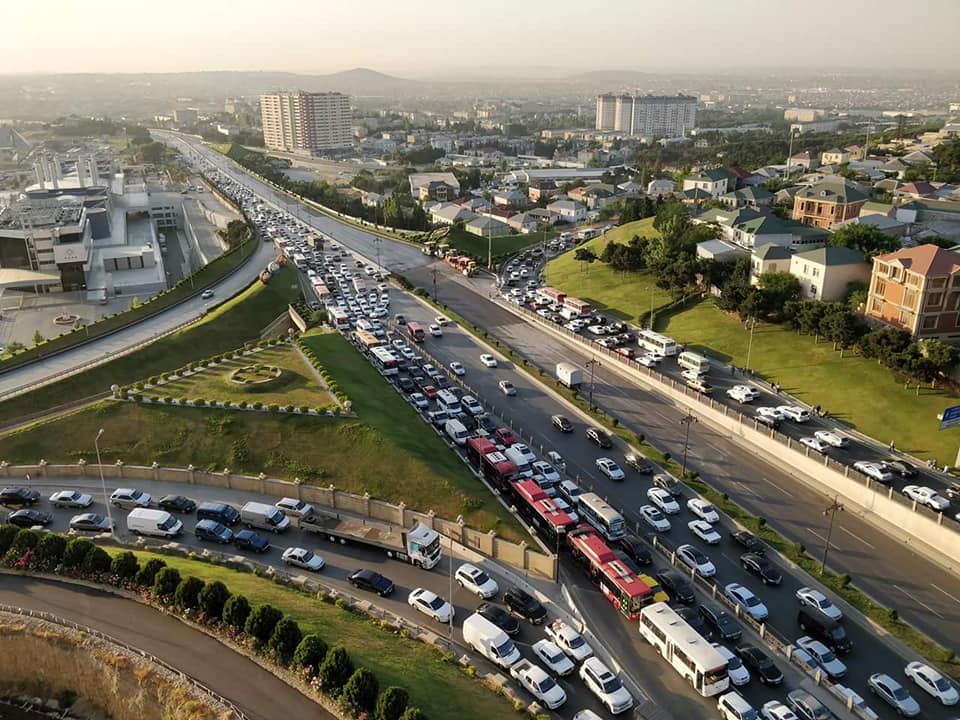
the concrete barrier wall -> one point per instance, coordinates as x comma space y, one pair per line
915, 526
517, 555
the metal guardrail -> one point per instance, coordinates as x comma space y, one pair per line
62, 622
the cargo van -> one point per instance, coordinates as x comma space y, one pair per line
156, 523
827, 630
456, 431
520, 460
490, 641
264, 516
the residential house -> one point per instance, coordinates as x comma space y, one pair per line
834, 156
596, 196
542, 189
441, 186
826, 272
750, 228
695, 197
872, 207
523, 223
769, 258
829, 202
916, 190
715, 182
856, 152
660, 187
739, 178
895, 165
751, 197
509, 198
488, 227
804, 160
630, 188
887, 185
474, 204
449, 213
884, 223
719, 251
543, 216
373, 199
918, 290
568, 211
917, 158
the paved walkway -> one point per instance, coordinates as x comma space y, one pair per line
260, 694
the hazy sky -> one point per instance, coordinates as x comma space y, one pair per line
446, 38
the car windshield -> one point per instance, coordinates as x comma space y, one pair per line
436, 603
547, 684
505, 649
698, 557
481, 578
655, 514
941, 684
827, 656
899, 693
733, 662
611, 684
169, 523
751, 600
307, 556
136, 494
575, 642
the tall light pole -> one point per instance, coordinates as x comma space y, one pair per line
753, 324
786, 174
377, 240
592, 363
687, 420
103, 482
831, 510
434, 273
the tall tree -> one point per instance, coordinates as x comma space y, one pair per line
585, 256
942, 357
865, 238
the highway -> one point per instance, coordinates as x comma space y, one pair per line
261, 695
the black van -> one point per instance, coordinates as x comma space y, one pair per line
219, 512
826, 630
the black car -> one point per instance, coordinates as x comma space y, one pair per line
177, 503
28, 517
18, 496
249, 540
668, 483
598, 437
90, 522
639, 463
499, 617
469, 421
406, 384
635, 549
900, 467
525, 605
441, 382
371, 582
561, 423
696, 621
484, 421
748, 541
218, 512
721, 621
760, 664
676, 585
761, 567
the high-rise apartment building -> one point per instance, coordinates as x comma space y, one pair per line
647, 115
304, 122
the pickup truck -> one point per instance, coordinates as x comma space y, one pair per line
538, 683
568, 640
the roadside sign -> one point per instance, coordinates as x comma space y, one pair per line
950, 417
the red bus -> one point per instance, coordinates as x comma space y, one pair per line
580, 307
415, 332
540, 511
499, 470
553, 295
477, 447
620, 584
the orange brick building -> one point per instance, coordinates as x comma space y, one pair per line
828, 203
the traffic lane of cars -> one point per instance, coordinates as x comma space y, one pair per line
780, 600
341, 561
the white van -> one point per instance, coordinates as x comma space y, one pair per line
520, 460
456, 431
733, 706
692, 361
264, 516
490, 641
448, 401
156, 523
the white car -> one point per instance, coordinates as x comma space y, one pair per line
703, 510
933, 682
457, 368
858, 701
476, 581
206, 294
743, 393
399, 344
568, 640
442, 320
823, 656
431, 605
545, 470
771, 412
776, 710
71, 499
609, 468
696, 560
553, 657
704, 530
419, 400
923, 495
608, 688
795, 413
302, 558
654, 518
471, 405
435, 330
832, 439
741, 595
874, 471
295, 507
737, 673
525, 451
539, 683
408, 353
647, 360
507, 387
129, 498
816, 599
488, 360
663, 500
819, 445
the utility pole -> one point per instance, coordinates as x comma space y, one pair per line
592, 363
831, 510
687, 420
789, 155
103, 482
434, 273
753, 324
377, 240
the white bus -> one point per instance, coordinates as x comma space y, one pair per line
691, 655
691, 361
339, 319
649, 340
384, 360
604, 518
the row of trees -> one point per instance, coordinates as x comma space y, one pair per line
264, 627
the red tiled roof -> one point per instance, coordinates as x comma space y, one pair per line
927, 260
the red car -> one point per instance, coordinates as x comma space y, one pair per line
505, 436
430, 392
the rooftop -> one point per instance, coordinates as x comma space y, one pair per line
772, 251
40, 213
832, 256
839, 191
928, 260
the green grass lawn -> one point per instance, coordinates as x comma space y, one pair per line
438, 688
225, 328
626, 297
296, 385
858, 391
477, 246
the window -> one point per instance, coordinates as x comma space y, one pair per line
876, 305
929, 322
813, 290
881, 287
934, 299
909, 298
816, 272
937, 282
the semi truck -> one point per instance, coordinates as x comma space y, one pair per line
569, 375
418, 546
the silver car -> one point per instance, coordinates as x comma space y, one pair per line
894, 694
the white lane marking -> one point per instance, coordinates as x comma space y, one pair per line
771, 482
919, 602
832, 544
745, 488
949, 595
857, 537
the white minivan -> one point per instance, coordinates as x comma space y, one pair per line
156, 523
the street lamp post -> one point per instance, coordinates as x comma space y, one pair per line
753, 324
103, 482
377, 241
592, 363
434, 273
831, 510
686, 420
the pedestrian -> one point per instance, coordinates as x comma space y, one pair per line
893, 447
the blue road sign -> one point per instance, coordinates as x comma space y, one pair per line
950, 417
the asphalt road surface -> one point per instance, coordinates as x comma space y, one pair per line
260, 695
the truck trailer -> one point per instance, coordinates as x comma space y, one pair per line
418, 546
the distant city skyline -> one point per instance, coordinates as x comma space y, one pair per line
60, 36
